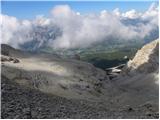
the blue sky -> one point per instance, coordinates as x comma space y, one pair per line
30, 9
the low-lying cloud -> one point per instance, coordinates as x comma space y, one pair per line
66, 28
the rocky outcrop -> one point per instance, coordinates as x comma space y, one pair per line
139, 78
146, 60
9, 59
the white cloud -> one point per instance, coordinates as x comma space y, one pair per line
117, 12
9, 26
62, 11
14, 32
132, 14
70, 29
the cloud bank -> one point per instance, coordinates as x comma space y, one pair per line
66, 28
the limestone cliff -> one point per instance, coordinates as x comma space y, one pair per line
146, 59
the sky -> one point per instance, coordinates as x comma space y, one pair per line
30, 9
66, 25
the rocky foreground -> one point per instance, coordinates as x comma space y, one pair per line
21, 102
47, 86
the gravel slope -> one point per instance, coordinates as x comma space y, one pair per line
21, 102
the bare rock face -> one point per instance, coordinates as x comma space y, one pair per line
146, 59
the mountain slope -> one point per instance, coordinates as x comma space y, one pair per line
140, 76
51, 74
21, 102
39, 85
